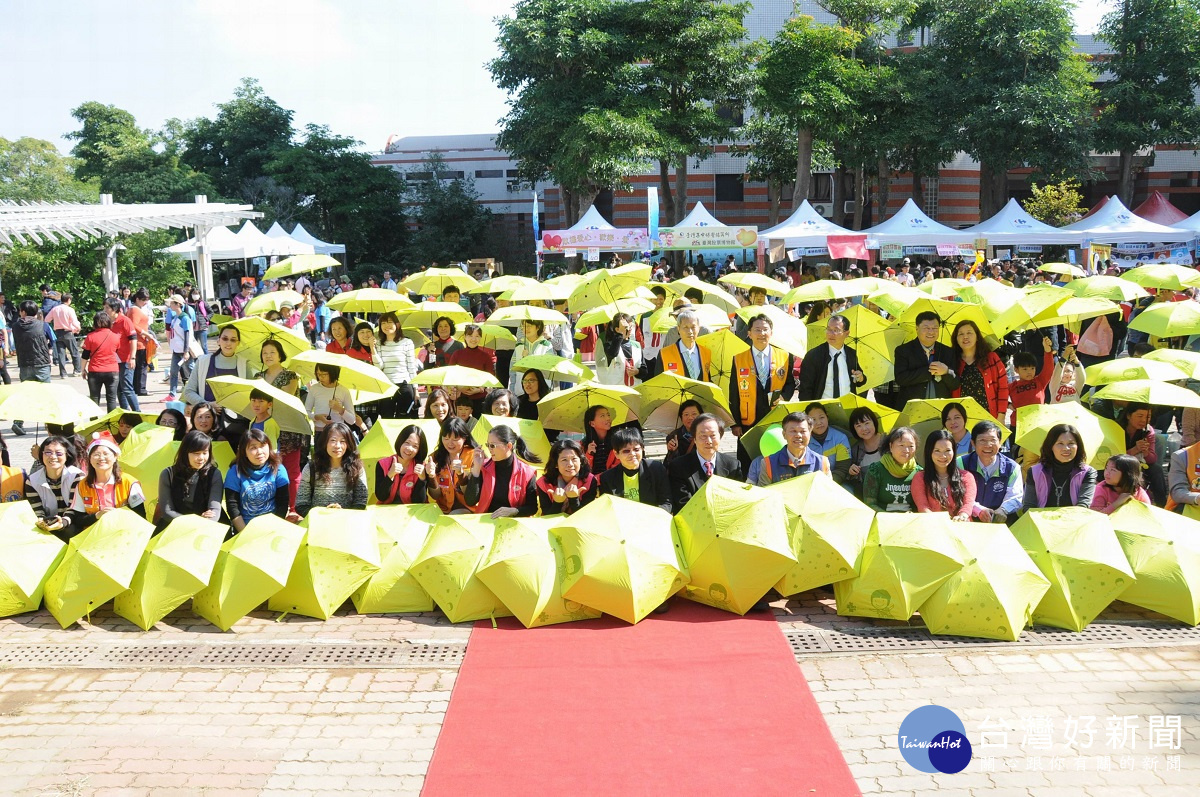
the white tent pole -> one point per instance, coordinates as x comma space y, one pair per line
204, 272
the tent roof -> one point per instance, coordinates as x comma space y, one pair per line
1096, 208
805, 227
304, 236
1114, 223
223, 244
699, 217
1013, 225
592, 220
911, 226
51, 222
1191, 224
1158, 209
257, 244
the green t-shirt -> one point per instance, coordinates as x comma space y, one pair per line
632, 491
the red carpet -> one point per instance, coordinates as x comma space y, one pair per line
692, 701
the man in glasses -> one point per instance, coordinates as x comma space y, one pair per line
689, 472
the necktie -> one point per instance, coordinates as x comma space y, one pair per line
708, 468
837, 377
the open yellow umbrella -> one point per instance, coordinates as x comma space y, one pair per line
710, 294
752, 279
339, 553
1114, 289
1065, 269
147, 451
447, 567
30, 556
1125, 368
950, 313
356, 375
233, 393
1027, 311
1163, 550
992, 295
734, 543
1158, 394
300, 264
254, 331
502, 283
1102, 437
925, 415
380, 442
555, 368
110, 421
787, 331
525, 570
39, 401
517, 315
1184, 360
827, 529
564, 409
371, 300
272, 300
456, 376
1168, 319
724, 346
943, 288
602, 288
1163, 276
402, 530
423, 315
1070, 312
495, 337
873, 338
530, 431
662, 396
827, 291
602, 314
537, 292
432, 281
711, 317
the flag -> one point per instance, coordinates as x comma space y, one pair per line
652, 214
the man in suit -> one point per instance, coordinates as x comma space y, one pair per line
689, 472
830, 370
686, 357
760, 378
635, 478
925, 368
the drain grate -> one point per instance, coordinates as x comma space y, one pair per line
1098, 635
858, 639
806, 642
234, 655
1167, 633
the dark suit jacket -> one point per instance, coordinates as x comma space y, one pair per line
687, 476
653, 484
912, 371
814, 370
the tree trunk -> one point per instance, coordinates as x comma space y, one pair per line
918, 189
860, 196
681, 189
666, 195
993, 190
774, 189
885, 189
804, 153
839, 196
1125, 177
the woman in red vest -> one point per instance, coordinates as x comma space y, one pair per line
400, 479
500, 484
104, 488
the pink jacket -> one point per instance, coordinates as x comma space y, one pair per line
925, 504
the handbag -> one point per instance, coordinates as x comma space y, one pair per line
195, 350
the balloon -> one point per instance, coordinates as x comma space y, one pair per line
771, 441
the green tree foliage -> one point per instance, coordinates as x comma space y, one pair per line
1155, 66
1006, 74
1056, 204
770, 151
451, 224
32, 170
73, 266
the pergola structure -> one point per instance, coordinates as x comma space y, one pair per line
54, 222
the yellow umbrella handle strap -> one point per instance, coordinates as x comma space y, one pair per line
279, 619
492, 617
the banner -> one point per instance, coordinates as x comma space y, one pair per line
920, 250
652, 215
708, 237
1030, 248
967, 251
1179, 255
593, 254
807, 251
537, 234
617, 239
853, 247
891, 252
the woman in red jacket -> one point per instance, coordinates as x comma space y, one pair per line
981, 372
100, 363
500, 484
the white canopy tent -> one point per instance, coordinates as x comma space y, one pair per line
592, 220
258, 244
911, 227
1013, 226
223, 244
322, 248
1191, 224
805, 227
699, 217
46, 222
1116, 224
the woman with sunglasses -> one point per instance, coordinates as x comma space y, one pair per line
500, 484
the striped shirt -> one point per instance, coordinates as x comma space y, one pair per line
397, 359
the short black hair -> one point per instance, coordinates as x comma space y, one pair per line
927, 315
623, 436
983, 427
1025, 359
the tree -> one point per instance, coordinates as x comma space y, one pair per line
770, 150
32, 170
1155, 66
1056, 204
1018, 94
451, 224
807, 77
570, 67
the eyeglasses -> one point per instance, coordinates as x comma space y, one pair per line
494, 446
54, 453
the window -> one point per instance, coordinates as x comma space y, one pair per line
485, 173
419, 177
735, 114
450, 175
520, 223
821, 188
729, 188
930, 187
513, 173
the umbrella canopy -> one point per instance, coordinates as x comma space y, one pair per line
752, 279
446, 567
709, 293
371, 300
711, 317
147, 451
272, 300
538, 292
1077, 550
502, 283
456, 376
253, 332
380, 442
1030, 307
827, 529
564, 409
98, 566
1074, 310
423, 315
1163, 550
1158, 394
41, 401
1184, 360
724, 346
925, 415
621, 557
828, 290
906, 557
1102, 437
873, 338
402, 530
233, 393
250, 568
662, 396
734, 542
555, 368
1124, 368
525, 569
432, 281
110, 421
517, 315
30, 556
1066, 269
176, 565
602, 288
299, 264
339, 553
943, 288
494, 337
530, 431
1163, 275
1168, 319
950, 313
602, 314
1102, 286
355, 374
994, 593
992, 295
787, 331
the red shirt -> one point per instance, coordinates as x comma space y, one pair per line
127, 334
100, 350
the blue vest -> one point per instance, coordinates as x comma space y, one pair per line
990, 492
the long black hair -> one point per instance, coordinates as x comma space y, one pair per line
506, 435
182, 470
1131, 473
954, 476
561, 445
322, 465
72, 455
451, 427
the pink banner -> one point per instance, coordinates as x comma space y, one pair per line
849, 246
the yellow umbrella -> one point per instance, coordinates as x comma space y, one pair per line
233, 393
827, 528
555, 368
602, 288
1102, 437
530, 431
950, 313
519, 314
943, 287
447, 567
1066, 269
456, 376
109, 422
710, 294
339, 554
663, 394
724, 346
925, 415
992, 295
604, 313
1104, 287
432, 281
1125, 368
355, 374
371, 300
254, 331
873, 338
380, 442
1184, 360
39, 401
752, 279
402, 531
787, 331
1158, 394
273, 300
1028, 310
538, 292
711, 317
564, 409
299, 264
495, 337
1074, 310
1163, 275
635, 269
147, 451
502, 283
425, 314
30, 556
1168, 319
829, 290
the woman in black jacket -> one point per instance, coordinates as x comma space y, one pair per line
191, 486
